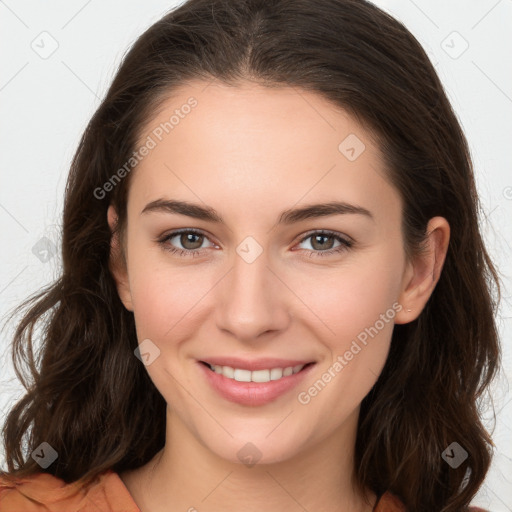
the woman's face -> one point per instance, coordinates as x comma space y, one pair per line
257, 284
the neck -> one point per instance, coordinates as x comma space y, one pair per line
187, 476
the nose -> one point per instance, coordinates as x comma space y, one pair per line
252, 300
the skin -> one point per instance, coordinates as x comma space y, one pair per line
251, 152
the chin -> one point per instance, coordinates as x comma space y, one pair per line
254, 450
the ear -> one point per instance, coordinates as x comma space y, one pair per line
117, 262
422, 274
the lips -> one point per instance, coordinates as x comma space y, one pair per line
256, 382
256, 364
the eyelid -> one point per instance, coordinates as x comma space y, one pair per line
346, 241
327, 232
165, 237
201, 232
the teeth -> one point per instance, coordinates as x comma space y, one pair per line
276, 373
227, 371
260, 376
257, 375
242, 375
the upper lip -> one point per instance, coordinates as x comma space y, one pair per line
255, 364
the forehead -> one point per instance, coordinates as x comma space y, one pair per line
266, 145
253, 110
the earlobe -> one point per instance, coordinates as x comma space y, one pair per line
422, 274
117, 263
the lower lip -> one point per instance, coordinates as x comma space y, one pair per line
252, 393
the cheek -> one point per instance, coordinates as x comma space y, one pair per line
168, 298
344, 298
358, 317
165, 301
345, 301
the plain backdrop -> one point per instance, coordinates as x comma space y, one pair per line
57, 59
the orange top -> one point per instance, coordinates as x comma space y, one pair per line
44, 492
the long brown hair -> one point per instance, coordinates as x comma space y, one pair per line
89, 397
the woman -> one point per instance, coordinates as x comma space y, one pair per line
274, 290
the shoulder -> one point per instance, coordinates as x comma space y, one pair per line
44, 492
388, 502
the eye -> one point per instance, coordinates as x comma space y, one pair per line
320, 241
190, 239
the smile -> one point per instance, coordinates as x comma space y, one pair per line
265, 375
253, 387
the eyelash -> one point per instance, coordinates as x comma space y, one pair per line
345, 244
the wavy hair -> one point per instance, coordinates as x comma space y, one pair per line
85, 388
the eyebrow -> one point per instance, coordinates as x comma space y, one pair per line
289, 216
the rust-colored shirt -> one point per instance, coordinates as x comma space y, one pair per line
44, 492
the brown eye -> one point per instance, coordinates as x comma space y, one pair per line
191, 241
322, 243
185, 242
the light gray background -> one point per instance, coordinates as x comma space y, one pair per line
46, 101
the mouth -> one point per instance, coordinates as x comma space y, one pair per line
260, 376
257, 386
